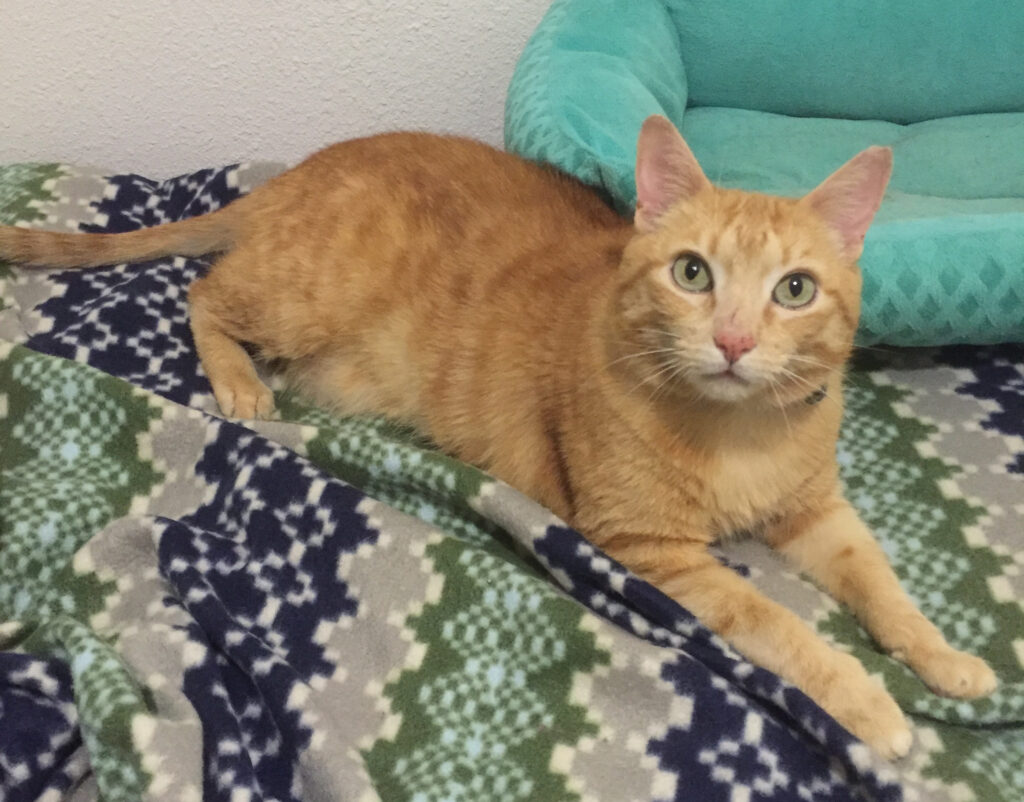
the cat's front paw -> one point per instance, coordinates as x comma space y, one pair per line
867, 710
951, 673
244, 397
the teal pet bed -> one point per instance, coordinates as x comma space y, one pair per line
774, 96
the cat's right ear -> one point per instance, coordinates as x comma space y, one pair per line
848, 199
666, 171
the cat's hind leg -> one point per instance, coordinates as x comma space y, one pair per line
237, 388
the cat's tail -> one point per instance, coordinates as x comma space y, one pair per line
193, 237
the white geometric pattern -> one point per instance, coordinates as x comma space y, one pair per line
723, 758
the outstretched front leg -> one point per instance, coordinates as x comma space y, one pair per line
835, 548
767, 634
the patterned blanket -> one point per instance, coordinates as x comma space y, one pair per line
315, 608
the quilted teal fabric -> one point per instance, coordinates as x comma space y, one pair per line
944, 261
903, 61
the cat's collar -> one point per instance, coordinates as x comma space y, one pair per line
817, 395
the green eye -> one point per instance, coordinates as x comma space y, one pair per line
795, 290
692, 273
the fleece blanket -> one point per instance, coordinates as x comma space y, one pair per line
317, 608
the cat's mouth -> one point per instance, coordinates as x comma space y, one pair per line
726, 384
729, 375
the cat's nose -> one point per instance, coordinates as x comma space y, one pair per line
734, 344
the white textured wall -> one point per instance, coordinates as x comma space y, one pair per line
164, 87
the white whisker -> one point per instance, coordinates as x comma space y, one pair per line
637, 354
673, 336
809, 361
632, 355
678, 371
795, 376
661, 371
782, 407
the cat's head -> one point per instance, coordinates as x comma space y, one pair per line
731, 295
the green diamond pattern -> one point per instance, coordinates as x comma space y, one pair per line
24, 188
483, 713
70, 462
394, 464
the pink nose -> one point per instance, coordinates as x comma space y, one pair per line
734, 344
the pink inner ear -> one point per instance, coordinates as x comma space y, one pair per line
666, 171
849, 198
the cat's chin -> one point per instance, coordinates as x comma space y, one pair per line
726, 387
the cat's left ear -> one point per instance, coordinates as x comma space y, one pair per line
848, 199
666, 171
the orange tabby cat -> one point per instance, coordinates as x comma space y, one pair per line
651, 382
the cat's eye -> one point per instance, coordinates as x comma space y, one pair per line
795, 290
692, 273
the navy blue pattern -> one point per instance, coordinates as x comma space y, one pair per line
131, 321
797, 747
273, 533
39, 732
999, 377
134, 202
